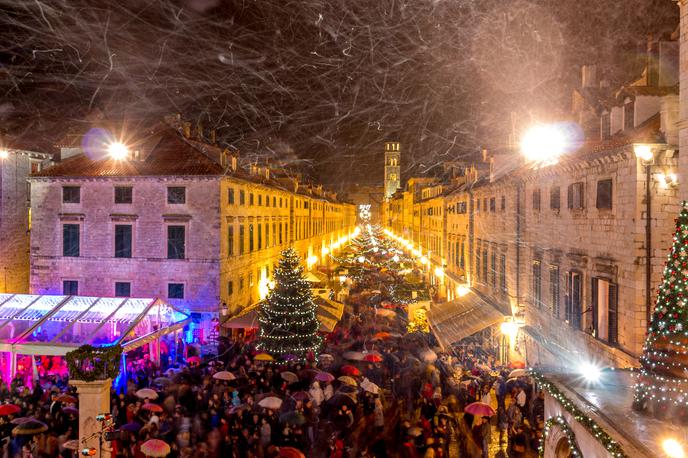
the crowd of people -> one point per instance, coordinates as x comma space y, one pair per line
374, 391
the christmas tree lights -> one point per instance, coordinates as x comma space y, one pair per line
288, 323
662, 382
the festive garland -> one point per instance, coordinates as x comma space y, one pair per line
570, 436
601, 435
90, 363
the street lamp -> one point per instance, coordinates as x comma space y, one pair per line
118, 151
4, 154
673, 448
645, 153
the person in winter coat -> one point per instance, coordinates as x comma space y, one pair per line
316, 393
379, 415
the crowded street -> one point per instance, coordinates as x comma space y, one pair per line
380, 387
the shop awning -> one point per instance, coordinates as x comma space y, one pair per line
329, 313
54, 325
461, 318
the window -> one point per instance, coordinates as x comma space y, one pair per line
242, 197
176, 242
267, 235
629, 115
241, 239
604, 194
267, 201
250, 199
503, 203
604, 310
70, 240
230, 196
260, 236
605, 126
71, 194
537, 285
554, 290
494, 269
477, 263
477, 204
241, 283
462, 263
70, 287
493, 204
502, 272
230, 288
274, 201
250, 238
122, 289
536, 199
484, 265
175, 290
123, 240
574, 297
280, 232
124, 194
555, 198
230, 240
280, 202
260, 200
274, 234
176, 195
576, 196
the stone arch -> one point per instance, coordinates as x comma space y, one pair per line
558, 440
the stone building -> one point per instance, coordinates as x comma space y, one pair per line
16, 164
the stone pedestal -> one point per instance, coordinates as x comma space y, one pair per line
94, 399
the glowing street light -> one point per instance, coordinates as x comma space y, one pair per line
643, 152
462, 290
4, 154
544, 143
118, 151
590, 372
673, 448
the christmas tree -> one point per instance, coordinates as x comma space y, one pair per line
288, 322
663, 381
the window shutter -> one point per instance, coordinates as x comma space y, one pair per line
595, 307
613, 314
582, 195
570, 196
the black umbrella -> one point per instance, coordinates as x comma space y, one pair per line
30, 427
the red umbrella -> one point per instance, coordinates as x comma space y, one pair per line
9, 409
193, 359
290, 452
381, 336
350, 370
66, 398
517, 365
152, 407
155, 448
373, 358
479, 409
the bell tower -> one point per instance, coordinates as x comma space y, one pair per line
392, 168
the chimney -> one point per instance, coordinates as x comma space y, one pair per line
589, 76
652, 61
186, 126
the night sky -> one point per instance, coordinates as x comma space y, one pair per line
322, 83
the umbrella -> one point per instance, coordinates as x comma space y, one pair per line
152, 407
480, 409
146, 393
293, 418
343, 398
192, 360
385, 312
30, 427
373, 358
155, 447
71, 444
429, 356
162, 381
289, 377
370, 387
130, 427
518, 373
301, 396
271, 402
414, 431
324, 377
347, 380
21, 420
517, 365
350, 370
353, 355
290, 452
66, 398
382, 335
70, 410
9, 409
263, 357
224, 375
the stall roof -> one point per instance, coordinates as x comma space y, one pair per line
53, 325
461, 318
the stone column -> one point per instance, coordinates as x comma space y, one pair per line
683, 102
94, 399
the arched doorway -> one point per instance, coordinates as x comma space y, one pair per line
563, 449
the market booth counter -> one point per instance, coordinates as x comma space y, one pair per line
36, 331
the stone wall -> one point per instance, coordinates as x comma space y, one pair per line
148, 270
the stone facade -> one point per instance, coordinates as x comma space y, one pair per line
15, 219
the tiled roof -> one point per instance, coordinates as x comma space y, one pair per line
164, 152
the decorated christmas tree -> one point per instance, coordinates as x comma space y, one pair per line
288, 322
663, 381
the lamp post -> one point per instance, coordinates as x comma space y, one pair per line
645, 153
